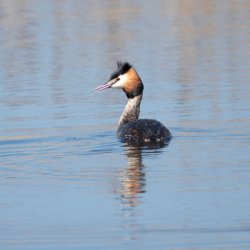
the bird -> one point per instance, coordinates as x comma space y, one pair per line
131, 129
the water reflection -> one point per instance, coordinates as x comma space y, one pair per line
133, 178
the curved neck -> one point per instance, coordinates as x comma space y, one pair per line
131, 111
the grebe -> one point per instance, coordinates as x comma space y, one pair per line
130, 129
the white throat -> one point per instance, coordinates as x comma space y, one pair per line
131, 111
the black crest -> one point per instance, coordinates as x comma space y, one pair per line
122, 68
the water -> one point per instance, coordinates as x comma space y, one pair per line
67, 183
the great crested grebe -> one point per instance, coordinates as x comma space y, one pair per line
130, 128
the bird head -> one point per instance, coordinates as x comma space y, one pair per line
126, 78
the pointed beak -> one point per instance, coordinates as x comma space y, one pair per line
104, 86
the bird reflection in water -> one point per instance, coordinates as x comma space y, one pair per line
133, 178
132, 185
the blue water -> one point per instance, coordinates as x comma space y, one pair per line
66, 182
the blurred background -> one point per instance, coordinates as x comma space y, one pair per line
65, 180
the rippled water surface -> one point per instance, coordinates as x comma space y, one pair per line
65, 180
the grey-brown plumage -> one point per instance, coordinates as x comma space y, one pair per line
130, 128
143, 131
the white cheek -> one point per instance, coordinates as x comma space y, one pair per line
121, 83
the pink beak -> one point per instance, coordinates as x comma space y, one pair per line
104, 86
107, 85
